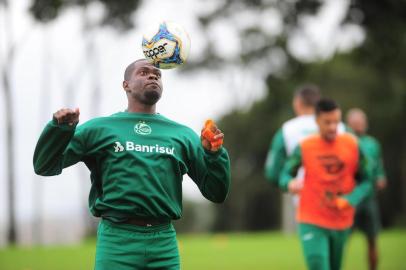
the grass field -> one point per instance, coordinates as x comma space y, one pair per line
255, 251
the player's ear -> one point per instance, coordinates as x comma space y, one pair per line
125, 86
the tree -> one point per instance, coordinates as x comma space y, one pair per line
6, 67
118, 12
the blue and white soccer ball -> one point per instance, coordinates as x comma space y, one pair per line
166, 45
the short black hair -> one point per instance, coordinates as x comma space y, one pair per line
309, 94
130, 68
326, 105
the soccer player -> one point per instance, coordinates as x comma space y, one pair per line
136, 159
330, 190
367, 217
286, 139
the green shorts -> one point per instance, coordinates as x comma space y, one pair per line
367, 218
130, 247
323, 248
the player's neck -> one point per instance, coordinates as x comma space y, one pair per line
141, 108
305, 111
328, 139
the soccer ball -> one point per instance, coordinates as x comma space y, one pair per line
166, 46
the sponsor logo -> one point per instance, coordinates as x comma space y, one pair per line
118, 147
142, 128
131, 146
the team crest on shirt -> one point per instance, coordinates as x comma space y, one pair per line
332, 164
142, 128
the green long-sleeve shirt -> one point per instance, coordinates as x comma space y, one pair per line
136, 161
373, 153
276, 158
372, 150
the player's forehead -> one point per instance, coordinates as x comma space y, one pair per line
334, 114
144, 64
356, 116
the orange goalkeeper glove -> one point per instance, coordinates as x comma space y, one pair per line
209, 131
342, 203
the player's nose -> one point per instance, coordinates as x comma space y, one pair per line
152, 76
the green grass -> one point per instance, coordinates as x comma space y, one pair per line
254, 251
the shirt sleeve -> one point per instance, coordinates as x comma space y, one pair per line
380, 170
210, 171
276, 158
58, 147
364, 185
290, 168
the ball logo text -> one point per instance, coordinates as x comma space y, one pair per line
154, 52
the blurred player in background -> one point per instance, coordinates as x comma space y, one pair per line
329, 192
137, 159
367, 217
284, 142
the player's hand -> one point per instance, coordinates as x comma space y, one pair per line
295, 186
341, 203
67, 116
381, 183
211, 137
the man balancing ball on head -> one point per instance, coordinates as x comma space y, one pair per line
337, 178
137, 159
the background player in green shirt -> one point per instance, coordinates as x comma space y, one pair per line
285, 141
137, 159
367, 217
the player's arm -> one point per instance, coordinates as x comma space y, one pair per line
287, 181
365, 182
58, 146
380, 173
276, 158
209, 164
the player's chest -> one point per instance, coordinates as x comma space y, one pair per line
139, 139
330, 161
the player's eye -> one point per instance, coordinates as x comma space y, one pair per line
143, 72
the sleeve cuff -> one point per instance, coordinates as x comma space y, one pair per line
214, 154
65, 126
